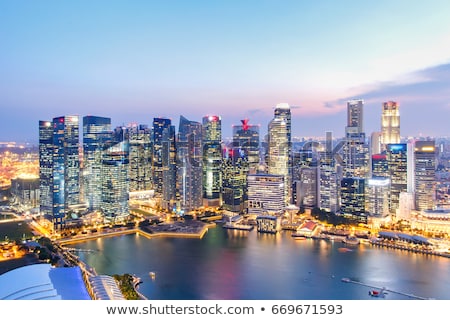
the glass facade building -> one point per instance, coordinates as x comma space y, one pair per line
96, 133
66, 167
189, 162
212, 161
280, 148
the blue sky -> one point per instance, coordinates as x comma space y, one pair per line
135, 60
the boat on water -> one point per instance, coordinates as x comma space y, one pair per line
351, 240
239, 226
152, 275
378, 294
345, 280
298, 236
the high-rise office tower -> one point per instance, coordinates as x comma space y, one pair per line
355, 148
46, 168
96, 133
159, 126
265, 194
328, 197
66, 167
378, 189
380, 168
189, 163
353, 198
355, 120
140, 158
425, 174
115, 182
235, 169
280, 147
246, 138
390, 123
169, 165
397, 159
212, 160
307, 187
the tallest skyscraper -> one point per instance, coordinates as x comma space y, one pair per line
280, 147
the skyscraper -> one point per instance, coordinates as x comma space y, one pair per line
66, 167
380, 168
46, 168
265, 194
425, 174
234, 179
96, 133
280, 148
397, 161
378, 189
328, 197
246, 138
355, 148
212, 160
140, 158
115, 182
189, 163
353, 198
307, 187
159, 126
390, 123
169, 167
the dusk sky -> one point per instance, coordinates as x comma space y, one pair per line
136, 60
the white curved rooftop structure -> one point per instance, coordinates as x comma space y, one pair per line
105, 288
43, 282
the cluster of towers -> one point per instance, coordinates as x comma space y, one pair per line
359, 177
185, 170
194, 168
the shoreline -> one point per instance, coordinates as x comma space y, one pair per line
204, 230
139, 231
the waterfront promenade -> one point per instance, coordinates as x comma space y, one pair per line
192, 229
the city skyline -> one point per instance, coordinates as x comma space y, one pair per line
136, 61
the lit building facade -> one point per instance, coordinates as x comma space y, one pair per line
96, 133
115, 182
397, 158
355, 148
26, 191
159, 126
140, 156
377, 192
307, 187
212, 161
169, 165
380, 168
280, 148
234, 179
189, 162
246, 138
265, 194
46, 168
328, 196
66, 167
353, 198
424, 174
390, 123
